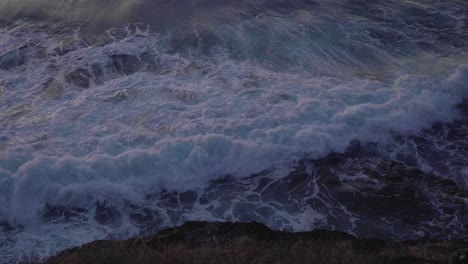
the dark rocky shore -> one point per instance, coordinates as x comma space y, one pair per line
212, 242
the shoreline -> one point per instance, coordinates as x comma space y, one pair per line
218, 242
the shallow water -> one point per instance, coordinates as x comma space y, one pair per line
121, 123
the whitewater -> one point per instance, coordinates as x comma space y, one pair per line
117, 124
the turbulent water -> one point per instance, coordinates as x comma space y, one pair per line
119, 118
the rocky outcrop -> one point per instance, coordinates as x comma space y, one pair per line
212, 242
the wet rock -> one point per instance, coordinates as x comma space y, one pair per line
210, 242
212, 234
411, 260
460, 258
79, 77
11, 59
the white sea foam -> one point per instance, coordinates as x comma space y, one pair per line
177, 131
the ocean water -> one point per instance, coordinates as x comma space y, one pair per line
296, 114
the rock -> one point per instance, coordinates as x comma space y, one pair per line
11, 59
80, 78
460, 258
217, 242
214, 234
411, 260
